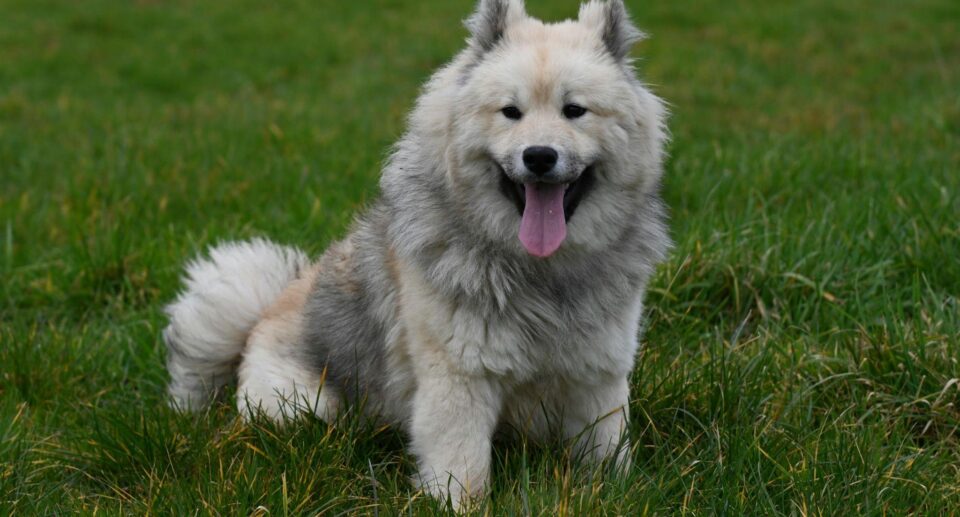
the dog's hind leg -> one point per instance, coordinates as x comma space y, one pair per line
273, 378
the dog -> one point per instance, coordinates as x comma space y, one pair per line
498, 281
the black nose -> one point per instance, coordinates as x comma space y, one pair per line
540, 159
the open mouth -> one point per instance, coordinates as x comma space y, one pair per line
573, 193
545, 209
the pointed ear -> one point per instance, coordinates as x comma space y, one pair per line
489, 22
612, 22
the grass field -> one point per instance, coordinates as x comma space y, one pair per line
802, 355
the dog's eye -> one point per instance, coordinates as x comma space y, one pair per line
512, 113
573, 111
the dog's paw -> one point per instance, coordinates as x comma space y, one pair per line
462, 498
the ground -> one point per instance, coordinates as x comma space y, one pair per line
802, 349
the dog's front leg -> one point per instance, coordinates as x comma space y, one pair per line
456, 404
454, 416
595, 415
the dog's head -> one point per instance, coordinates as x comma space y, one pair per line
549, 135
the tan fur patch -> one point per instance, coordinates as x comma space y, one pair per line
294, 297
542, 87
340, 260
393, 268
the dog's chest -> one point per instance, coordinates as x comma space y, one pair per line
590, 335
524, 349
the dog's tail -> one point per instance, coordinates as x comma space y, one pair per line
225, 296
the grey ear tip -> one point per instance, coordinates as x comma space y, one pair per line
619, 33
489, 22
617, 6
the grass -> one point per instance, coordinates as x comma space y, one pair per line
802, 352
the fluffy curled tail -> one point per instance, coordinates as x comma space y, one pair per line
225, 296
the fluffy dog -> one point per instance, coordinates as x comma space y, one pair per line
497, 282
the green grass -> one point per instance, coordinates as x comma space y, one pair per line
802, 355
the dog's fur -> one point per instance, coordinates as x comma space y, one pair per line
431, 309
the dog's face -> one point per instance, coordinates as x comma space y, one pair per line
553, 140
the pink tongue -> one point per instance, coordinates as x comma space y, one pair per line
543, 226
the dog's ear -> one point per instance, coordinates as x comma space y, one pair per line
612, 22
489, 22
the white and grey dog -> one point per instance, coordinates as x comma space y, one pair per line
498, 281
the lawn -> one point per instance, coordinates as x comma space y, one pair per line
802, 351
